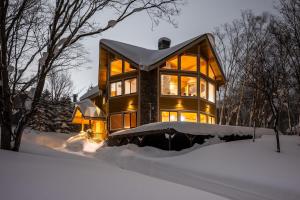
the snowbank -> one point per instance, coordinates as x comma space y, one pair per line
198, 129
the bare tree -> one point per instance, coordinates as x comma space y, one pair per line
61, 25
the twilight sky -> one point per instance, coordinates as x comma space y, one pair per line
197, 17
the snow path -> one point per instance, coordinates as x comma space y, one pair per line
236, 170
41, 173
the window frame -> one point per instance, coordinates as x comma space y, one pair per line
116, 57
188, 71
136, 86
179, 85
160, 85
115, 82
169, 111
123, 119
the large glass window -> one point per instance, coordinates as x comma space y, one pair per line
203, 85
188, 86
130, 120
211, 92
203, 118
130, 86
203, 65
116, 67
188, 117
167, 116
188, 63
172, 64
211, 120
127, 67
116, 121
211, 73
116, 89
169, 84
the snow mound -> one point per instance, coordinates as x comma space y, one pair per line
198, 129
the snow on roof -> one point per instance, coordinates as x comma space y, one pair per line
93, 91
88, 109
197, 129
145, 58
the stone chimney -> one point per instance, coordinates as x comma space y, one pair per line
164, 43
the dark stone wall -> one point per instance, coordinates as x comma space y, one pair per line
148, 94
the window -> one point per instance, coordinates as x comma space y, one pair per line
169, 85
130, 120
116, 67
172, 64
211, 92
211, 73
211, 120
188, 86
203, 65
116, 89
116, 122
203, 89
188, 117
130, 86
189, 62
167, 116
127, 67
203, 118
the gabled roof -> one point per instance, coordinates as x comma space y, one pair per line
92, 92
147, 59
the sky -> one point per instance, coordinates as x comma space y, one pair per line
196, 17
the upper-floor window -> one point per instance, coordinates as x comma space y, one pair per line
169, 84
116, 89
203, 66
211, 92
188, 62
203, 90
172, 63
119, 66
130, 86
188, 86
116, 67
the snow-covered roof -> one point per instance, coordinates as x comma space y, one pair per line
196, 129
88, 110
146, 58
93, 91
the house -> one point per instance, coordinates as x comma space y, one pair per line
140, 86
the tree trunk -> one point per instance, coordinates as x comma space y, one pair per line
223, 105
240, 104
277, 134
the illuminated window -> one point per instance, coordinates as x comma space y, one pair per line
203, 89
130, 120
211, 73
169, 85
116, 121
188, 117
211, 120
203, 65
167, 116
211, 92
127, 67
116, 89
116, 67
188, 63
203, 118
172, 64
130, 86
188, 86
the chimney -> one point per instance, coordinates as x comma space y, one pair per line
164, 43
75, 98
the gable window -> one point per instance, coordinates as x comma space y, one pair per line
203, 85
188, 63
169, 84
188, 117
130, 86
127, 67
116, 67
188, 86
116, 89
211, 92
130, 120
211, 73
167, 116
116, 122
172, 64
203, 66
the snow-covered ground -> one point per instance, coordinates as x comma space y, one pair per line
50, 168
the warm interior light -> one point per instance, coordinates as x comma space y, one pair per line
189, 62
